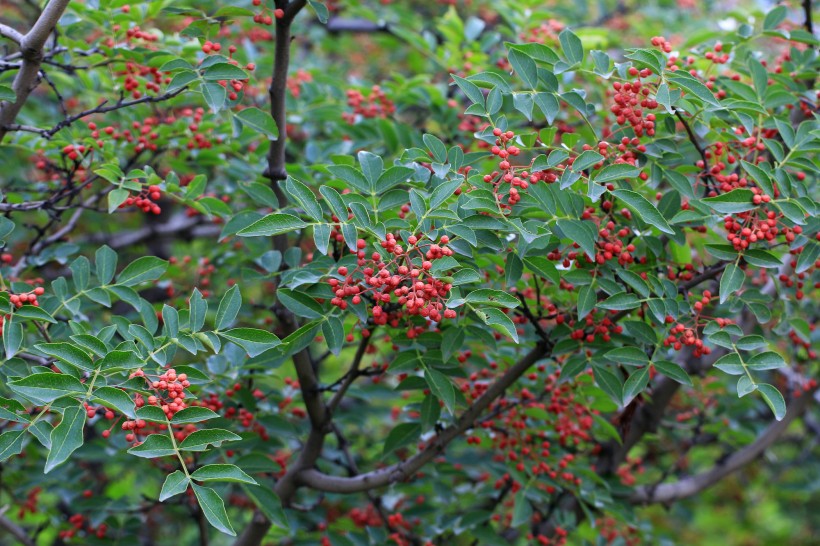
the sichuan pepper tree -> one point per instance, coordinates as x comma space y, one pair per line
398, 273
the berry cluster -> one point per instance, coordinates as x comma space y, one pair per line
18, 300
405, 279
374, 105
505, 150
145, 200
264, 16
630, 100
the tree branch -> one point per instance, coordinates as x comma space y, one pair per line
31, 47
405, 469
693, 485
15, 530
10, 34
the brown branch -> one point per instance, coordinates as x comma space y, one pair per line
31, 48
693, 485
277, 93
808, 24
101, 109
401, 471
694, 140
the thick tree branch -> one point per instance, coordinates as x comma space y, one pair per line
10, 34
31, 47
692, 485
405, 469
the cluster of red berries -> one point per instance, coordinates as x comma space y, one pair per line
296, 80
74, 152
374, 105
544, 33
748, 227
92, 412
31, 502
630, 100
505, 150
264, 17
79, 523
605, 328
18, 300
662, 43
137, 75
145, 200
405, 277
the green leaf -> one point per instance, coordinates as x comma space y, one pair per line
214, 95
105, 261
116, 399
213, 508
496, 298
498, 321
155, 445
578, 231
609, 383
761, 258
11, 443
587, 299
321, 10
522, 510
524, 67
272, 224
572, 47
66, 437
630, 356
147, 268
731, 364
586, 160
636, 383
7, 93
760, 176
738, 200
300, 303
117, 197
175, 483
436, 146
807, 258
402, 435
193, 414
774, 17
470, 89
65, 352
200, 439
229, 307
620, 302
441, 387
617, 171
645, 210
120, 360
198, 308
268, 503
47, 387
225, 71
751, 343
222, 473
731, 281
768, 360
260, 121
549, 106
6, 227
692, 85
774, 399
673, 371
254, 341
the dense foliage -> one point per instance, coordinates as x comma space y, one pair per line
407, 272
